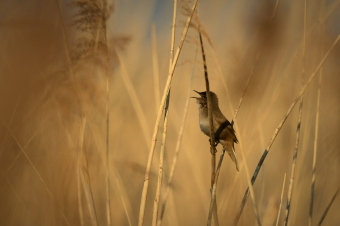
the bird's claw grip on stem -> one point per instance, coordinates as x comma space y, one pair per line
213, 150
216, 142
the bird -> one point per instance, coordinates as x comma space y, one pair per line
223, 129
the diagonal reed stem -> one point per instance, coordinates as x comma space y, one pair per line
264, 155
328, 207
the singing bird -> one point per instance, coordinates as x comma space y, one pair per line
223, 129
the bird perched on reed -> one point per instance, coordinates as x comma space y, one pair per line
223, 129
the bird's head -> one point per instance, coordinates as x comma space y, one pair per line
202, 100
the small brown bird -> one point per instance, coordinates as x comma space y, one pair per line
223, 129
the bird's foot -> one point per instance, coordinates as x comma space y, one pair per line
213, 150
216, 142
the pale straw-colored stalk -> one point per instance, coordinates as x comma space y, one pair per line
124, 205
159, 115
178, 144
316, 136
84, 175
134, 98
160, 172
165, 126
79, 157
281, 198
155, 67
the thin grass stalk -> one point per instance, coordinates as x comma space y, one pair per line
297, 137
77, 159
291, 181
80, 205
263, 178
26, 145
328, 207
160, 111
13, 189
213, 204
79, 155
160, 172
7, 132
37, 173
246, 88
316, 130
125, 198
315, 152
134, 98
264, 155
250, 186
165, 126
178, 144
274, 96
80, 175
155, 68
85, 179
213, 200
258, 221
107, 174
237, 109
280, 206
253, 196
125, 209
232, 109
67, 48
2, 149
213, 189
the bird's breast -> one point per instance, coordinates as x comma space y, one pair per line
204, 125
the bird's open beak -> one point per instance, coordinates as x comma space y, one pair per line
196, 92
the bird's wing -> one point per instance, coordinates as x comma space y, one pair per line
224, 128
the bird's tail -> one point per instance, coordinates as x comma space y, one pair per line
231, 151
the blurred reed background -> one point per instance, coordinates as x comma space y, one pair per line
63, 61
